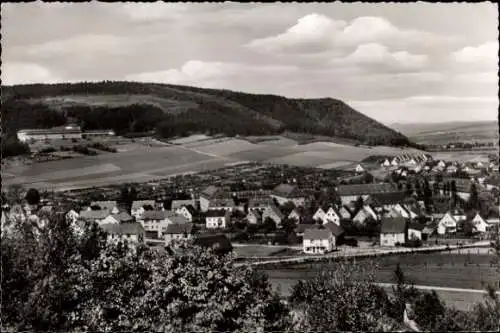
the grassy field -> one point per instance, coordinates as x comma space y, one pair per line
145, 160
437, 269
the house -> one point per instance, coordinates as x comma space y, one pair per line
158, 220
451, 169
288, 193
427, 232
394, 161
54, 133
480, 225
447, 224
254, 217
441, 164
176, 204
364, 214
350, 193
209, 194
259, 203
188, 211
218, 218
359, 168
273, 213
140, 206
386, 200
294, 215
220, 244
122, 217
225, 204
318, 241
459, 215
94, 215
415, 230
344, 213
177, 231
302, 227
411, 162
337, 231
327, 214
392, 231
110, 206
129, 232
386, 163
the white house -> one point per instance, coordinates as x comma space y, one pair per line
392, 231
254, 217
415, 230
294, 215
133, 233
177, 232
344, 213
327, 214
359, 168
94, 215
110, 206
217, 219
365, 213
447, 224
140, 206
188, 211
480, 225
318, 241
386, 163
395, 161
288, 193
441, 164
209, 194
273, 213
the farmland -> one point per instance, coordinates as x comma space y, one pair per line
454, 270
147, 160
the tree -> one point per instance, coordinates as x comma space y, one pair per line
473, 202
33, 196
268, 225
359, 204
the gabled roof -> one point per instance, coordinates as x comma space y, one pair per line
109, 205
221, 203
154, 215
393, 225
362, 189
275, 210
179, 203
256, 213
179, 228
176, 218
123, 228
317, 234
141, 203
259, 202
303, 227
94, 214
122, 217
190, 209
220, 243
287, 191
415, 226
388, 198
216, 213
334, 228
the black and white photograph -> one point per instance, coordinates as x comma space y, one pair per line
250, 167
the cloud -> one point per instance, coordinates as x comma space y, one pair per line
375, 55
26, 73
215, 74
155, 11
485, 54
315, 32
490, 78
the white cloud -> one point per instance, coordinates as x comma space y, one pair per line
377, 56
316, 32
479, 78
203, 73
485, 53
26, 73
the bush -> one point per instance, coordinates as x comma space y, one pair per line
413, 243
84, 150
100, 146
47, 150
13, 147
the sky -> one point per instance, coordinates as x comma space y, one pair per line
396, 63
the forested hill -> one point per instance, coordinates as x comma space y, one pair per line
179, 110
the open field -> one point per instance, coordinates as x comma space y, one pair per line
437, 269
144, 159
478, 156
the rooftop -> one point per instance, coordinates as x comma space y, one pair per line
393, 225
361, 189
179, 228
123, 228
316, 233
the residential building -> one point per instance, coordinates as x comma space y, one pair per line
336, 230
345, 213
387, 200
386, 163
220, 244
480, 225
259, 203
350, 193
97, 216
318, 241
273, 213
327, 214
447, 224
415, 230
225, 204
188, 211
122, 217
130, 232
140, 206
54, 133
110, 206
177, 232
176, 204
359, 168
295, 215
288, 193
364, 214
254, 217
392, 231
209, 194
217, 219
302, 227
158, 220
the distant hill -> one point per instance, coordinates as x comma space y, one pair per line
181, 110
442, 133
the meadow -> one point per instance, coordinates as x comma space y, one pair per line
146, 160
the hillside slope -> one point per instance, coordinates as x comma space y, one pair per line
179, 110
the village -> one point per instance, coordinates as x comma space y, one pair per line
407, 200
